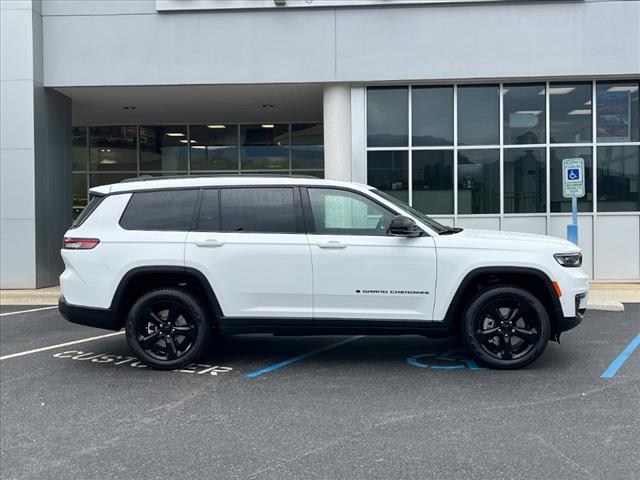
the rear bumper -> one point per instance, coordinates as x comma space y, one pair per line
91, 317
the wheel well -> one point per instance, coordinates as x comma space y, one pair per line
137, 283
536, 283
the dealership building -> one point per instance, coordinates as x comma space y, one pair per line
464, 109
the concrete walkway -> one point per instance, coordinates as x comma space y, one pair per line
602, 296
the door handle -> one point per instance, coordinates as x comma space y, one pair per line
209, 243
332, 244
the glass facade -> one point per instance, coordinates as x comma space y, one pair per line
109, 154
497, 149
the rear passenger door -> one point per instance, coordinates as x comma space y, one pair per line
250, 244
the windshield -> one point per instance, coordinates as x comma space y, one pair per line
438, 227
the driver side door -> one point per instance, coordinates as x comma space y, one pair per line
360, 272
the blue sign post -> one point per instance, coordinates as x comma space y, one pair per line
573, 187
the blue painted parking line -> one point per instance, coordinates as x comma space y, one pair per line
617, 363
271, 368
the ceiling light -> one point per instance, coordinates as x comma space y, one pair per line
216, 126
505, 91
187, 141
558, 90
267, 126
174, 134
588, 102
530, 112
585, 111
623, 88
199, 146
107, 161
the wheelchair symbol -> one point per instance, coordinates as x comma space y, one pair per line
449, 360
573, 174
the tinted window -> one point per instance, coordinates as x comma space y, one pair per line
524, 114
88, 210
266, 210
209, 218
432, 115
339, 212
387, 117
478, 115
388, 171
167, 210
570, 112
525, 187
432, 175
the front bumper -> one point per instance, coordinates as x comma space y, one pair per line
91, 317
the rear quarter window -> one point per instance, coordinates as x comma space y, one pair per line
170, 210
87, 211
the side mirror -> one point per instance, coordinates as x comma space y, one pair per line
403, 227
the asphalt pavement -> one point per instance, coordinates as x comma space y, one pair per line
264, 407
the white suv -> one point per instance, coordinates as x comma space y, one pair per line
177, 261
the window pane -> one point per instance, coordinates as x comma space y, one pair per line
102, 178
524, 114
478, 115
265, 146
387, 117
618, 179
113, 149
258, 210
432, 115
339, 212
524, 180
209, 218
389, 172
214, 147
164, 210
79, 193
570, 112
478, 181
79, 152
618, 111
558, 202
310, 173
433, 181
307, 146
163, 148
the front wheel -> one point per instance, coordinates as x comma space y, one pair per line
505, 327
168, 329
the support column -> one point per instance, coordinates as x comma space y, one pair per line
35, 155
336, 106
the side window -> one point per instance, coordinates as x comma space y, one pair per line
340, 212
164, 210
261, 210
209, 217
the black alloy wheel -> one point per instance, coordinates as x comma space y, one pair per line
505, 327
168, 329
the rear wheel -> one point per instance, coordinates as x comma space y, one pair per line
505, 327
168, 328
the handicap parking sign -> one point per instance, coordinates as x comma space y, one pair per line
573, 174
573, 178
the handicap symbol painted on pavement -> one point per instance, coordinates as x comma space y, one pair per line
449, 360
573, 174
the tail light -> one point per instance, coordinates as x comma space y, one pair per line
79, 243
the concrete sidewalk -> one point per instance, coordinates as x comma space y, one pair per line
602, 296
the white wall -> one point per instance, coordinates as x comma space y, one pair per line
127, 43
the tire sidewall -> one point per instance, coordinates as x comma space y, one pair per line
473, 310
193, 308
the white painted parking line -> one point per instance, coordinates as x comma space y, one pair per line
75, 342
27, 311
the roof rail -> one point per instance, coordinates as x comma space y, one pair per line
146, 178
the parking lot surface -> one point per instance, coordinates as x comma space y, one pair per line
316, 407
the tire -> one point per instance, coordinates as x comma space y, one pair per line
168, 328
505, 327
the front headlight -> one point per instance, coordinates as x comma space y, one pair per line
569, 259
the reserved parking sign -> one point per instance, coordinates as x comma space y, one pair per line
573, 177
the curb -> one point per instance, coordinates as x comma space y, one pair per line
606, 305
